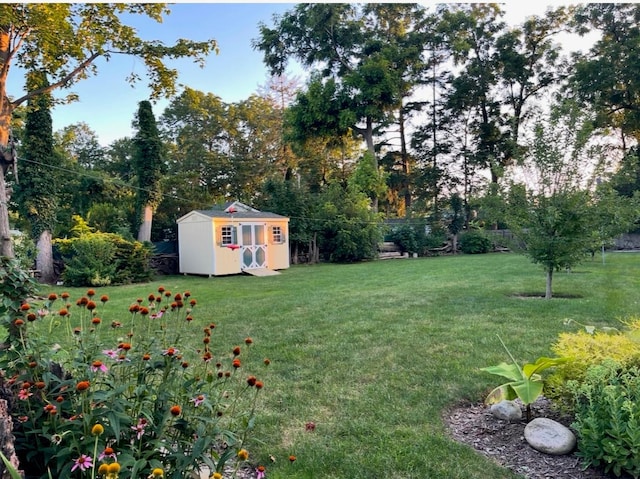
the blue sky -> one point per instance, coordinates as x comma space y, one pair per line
107, 103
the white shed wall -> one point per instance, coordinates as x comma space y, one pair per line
196, 245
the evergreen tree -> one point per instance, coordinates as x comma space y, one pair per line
37, 190
149, 166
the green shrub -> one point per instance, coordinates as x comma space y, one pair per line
408, 238
607, 418
586, 350
98, 259
474, 242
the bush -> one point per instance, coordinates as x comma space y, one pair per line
130, 405
407, 238
475, 242
99, 259
587, 350
607, 418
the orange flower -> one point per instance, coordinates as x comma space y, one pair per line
146, 357
189, 318
236, 351
236, 363
91, 305
259, 384
144, 311
104, 298
91, 292
160, 289
64, 295
251, 380
134, 308
25, 307
18, 322
82, 386
40, 385
63, 312
192, 302
243, 454
248, 341
96, 320
267, 361
53, 297
178, 297
31, 317
292, 458
175, 410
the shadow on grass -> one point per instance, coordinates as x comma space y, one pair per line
541, 296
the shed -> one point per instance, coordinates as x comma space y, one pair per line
232, 239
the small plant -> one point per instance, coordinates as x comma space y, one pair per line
125, 399
607, 418
525, 383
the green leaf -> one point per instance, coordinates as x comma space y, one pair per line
509, 371
528, 390
502, 393
541, 364
12, 470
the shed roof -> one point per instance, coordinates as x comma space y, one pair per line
236, 210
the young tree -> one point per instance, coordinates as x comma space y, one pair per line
148, 161
83, 32
555, 220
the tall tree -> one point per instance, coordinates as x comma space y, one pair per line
37, 191
356, 72
607, 77
83, 32
148, 161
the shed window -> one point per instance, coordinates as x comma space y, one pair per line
276, 234
226, 235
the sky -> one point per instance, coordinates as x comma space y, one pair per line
107, 103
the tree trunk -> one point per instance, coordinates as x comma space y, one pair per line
549, 280
144, 234
6, 246
44, 259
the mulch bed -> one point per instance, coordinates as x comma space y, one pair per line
504, 442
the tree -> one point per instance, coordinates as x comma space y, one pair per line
83, 32
359, 75
148, 161
554, 219
37, 191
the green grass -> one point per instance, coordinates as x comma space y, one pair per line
375, 353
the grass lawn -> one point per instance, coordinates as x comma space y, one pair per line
374, 353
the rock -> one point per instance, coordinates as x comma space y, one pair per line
507, 411
548, 436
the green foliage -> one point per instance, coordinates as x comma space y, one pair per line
587, 349
409, 237
98, 259
475, 242
525, 383
25, 250
145, 402
607, 418
350, 231
15, 286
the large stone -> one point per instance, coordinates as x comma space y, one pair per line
507, 411
548, 436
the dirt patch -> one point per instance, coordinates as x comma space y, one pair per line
542, 296
504, 442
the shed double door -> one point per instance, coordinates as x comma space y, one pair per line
253, 246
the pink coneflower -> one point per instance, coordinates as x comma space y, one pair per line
139, 428
24, 394
110, 353
108, 452
84, 462
199, 399
98, 366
